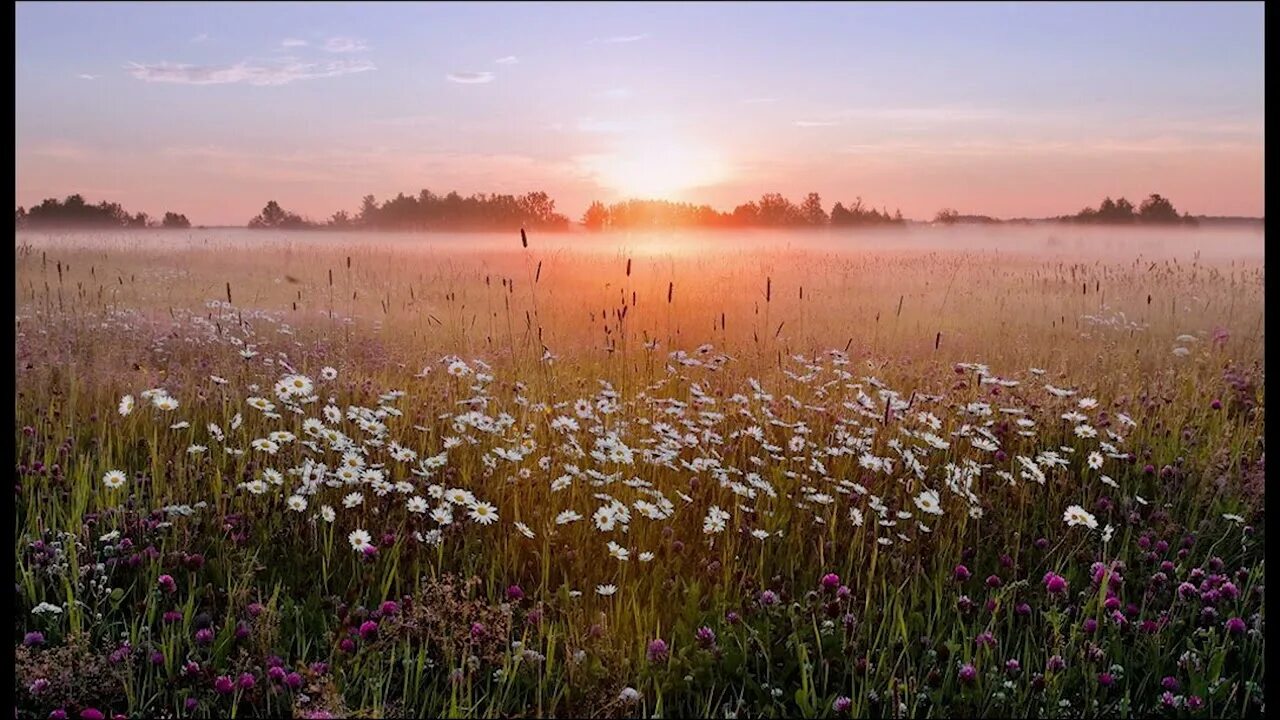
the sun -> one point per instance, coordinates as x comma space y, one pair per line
658, 168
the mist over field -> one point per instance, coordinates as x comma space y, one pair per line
1042, 240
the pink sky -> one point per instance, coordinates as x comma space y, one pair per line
1004, 110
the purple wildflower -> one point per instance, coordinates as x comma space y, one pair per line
657, 652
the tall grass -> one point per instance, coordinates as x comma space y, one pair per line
817, 420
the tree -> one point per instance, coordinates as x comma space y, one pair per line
1107, 210
947, 216
596, 217
774, 209
174, 220
340, 219
1124, 210
368, 215
746, 214
275, 217
1156, 209
811, 210
839, 215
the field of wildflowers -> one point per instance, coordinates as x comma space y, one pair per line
375, 480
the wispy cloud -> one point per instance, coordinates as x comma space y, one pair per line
616, 93
279, 72
470, 78
759, 101
344, 45
87, 76
618, 39
508, 60
293, 42
815, 123
202, 37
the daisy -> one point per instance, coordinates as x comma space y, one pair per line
164, 402
262, 404
114, 479
618, 551
1076, 515
524, 530
126, 405
327, 513
352, 500
458, 496
715, 520
359, 540
298, 385
484, 513
928, 501
296, 503
417, 504
442, 515
606, 590
1095, 460
328, 373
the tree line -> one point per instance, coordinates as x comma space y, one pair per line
771, 210
74, 212
537, 210
1155, 210
429, 211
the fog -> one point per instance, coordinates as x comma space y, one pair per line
1048, 241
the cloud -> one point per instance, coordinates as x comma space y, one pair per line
279, 72
616, 93
344, 45
292, 42
759, 101
470, 78
508, 60
618, 39
815, 123
200, 38
87, 76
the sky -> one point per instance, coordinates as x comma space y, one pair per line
1009, 110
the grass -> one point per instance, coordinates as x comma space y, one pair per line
794, 390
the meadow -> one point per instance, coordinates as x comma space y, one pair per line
931, 473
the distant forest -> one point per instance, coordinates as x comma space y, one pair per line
537, 210
1155, 210
75, 212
